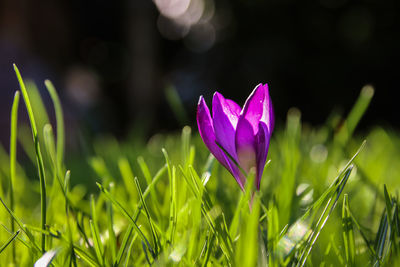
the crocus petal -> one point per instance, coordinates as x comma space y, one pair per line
245, 144
206, 130
224, 122
258, 107
269, 114
262, 143
235, 108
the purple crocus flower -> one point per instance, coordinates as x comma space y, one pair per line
238, 137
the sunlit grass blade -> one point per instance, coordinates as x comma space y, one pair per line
50, 148
85, 257
385, 240
209, 249
363, 235
172, 207
22, 227
382, 239
60, 122
38, 106
124, 245
13, 159
155, 180
355, 115
110, 225
39, 157
50, 232
148, 178
8, 242
348, 233
273, 235
156, 241
244, 199
246, 252
185, 150
98, 246
96, 243
128, 253
127, 175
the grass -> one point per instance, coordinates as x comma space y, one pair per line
327, 198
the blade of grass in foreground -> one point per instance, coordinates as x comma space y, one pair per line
85, 257
348, 233
124, 245
246, 252
8, 242
97, 242
172, 207
153, 232
22, 227
385, 241
146, 173
39, 157
98, 246
110, 226
60, 122
13, 159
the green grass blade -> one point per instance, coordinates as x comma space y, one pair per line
127, 175
98, 246
381, 238
50, 147
8, 242
97, 243
247, 246
156, 241
128, 253
39, 157
124, 245
110, 225
355, 115
59, 120
146, 173
155, 180
37, 104
22, 227
348, 233
85, 257
172, 207
209, 249
23, 241
13, 159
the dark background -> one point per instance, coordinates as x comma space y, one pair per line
112, 60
